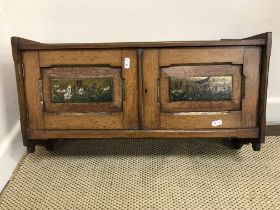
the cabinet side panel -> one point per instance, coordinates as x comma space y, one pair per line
251, 72
264, 82
32, 89
150, 89
17, 57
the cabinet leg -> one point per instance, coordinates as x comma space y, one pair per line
256, 146
30, 148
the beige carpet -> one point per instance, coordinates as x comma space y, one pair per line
147, 174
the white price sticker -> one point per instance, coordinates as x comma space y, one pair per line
126, 63
217, 123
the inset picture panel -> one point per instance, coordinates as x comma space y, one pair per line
200, 88
82, 89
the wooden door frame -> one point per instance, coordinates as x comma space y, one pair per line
33, 61
154, 59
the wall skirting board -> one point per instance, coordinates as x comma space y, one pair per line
273, 116
272, 130
12, 150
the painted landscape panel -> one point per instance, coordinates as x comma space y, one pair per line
200, 88
99, 89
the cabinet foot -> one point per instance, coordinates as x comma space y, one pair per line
30, 148
256, 146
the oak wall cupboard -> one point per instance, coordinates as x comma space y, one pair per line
143, 90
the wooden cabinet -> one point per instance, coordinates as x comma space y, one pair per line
143, 90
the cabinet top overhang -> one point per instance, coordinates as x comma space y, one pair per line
25, 44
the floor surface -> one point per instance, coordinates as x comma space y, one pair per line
147, 174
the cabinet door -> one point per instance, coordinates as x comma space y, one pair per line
200, 88
81, 89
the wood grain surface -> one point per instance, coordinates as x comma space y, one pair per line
32, 75
150, 75
141, 107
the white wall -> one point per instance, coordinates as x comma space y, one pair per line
11, 149
126, 20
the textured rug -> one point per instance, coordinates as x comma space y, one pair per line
147, 174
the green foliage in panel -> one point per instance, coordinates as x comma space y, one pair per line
82, 90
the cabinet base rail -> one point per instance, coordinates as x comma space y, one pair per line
237, 137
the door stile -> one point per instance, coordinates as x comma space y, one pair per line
140, 87
130, 98
150, 77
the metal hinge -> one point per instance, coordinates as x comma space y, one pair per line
25, 112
